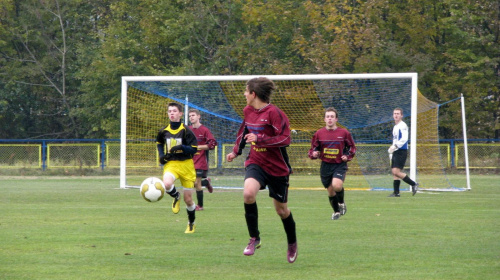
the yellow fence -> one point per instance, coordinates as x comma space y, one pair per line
106, 154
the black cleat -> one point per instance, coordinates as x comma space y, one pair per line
394, 195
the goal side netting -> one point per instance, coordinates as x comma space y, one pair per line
365, 103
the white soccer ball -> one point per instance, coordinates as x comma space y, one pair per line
152, 189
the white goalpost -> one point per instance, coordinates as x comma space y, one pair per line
365, 103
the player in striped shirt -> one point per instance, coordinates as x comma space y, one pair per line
335, 147
267, 129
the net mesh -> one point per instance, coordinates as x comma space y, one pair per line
364, 107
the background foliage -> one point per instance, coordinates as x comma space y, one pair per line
61, 61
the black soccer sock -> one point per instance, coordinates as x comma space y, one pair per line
252, 218
334, 202
173, 192
199, 196
409, 181
341, 195
191, 216
289, 225
204, 182
396, 184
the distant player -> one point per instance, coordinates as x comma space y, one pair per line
335, 147
398, 153
206, 142
267, 129
176, 146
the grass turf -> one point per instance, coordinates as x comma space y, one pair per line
85, 228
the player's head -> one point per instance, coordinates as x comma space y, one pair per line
262, 88
174, 112
397, 114
331, 117
194, 116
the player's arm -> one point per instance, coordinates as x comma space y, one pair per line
404, 137
401, 141
240, 143
315, 149
160, 146
350, 147
211, 143
191, 144
281, 137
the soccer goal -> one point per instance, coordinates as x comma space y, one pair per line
365, 103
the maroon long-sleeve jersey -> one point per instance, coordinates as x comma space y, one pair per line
333, 144
272, 128
203, 135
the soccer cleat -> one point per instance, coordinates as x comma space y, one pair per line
198, 208
292, 253
336, 216
209, 186
176, 204
190, 228
252, 245
394, 195
414, 188
343, 209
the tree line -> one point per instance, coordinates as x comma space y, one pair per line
61, 61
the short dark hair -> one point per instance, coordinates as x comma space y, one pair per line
263, 88
331, 109
174, 104
398, 109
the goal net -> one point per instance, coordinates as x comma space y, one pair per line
364, 102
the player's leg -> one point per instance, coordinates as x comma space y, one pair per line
191, 209
199, 190
251, 187
338, 185
168, 180
338, 188
398, 175
326, 175
278, 190
207, 183
188, 177
397, 164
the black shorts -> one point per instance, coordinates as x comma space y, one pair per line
278, 185
328, 171
201, 173
399, 159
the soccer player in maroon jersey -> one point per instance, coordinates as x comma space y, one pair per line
206, 142
267, 128
335, 147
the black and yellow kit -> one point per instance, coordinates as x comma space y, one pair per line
182, 136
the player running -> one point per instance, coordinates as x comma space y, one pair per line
206, 142
267, 129
335, 147
176, 146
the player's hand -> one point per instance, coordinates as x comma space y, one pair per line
211, 144
315, 154
174, 149
250, 137
164, 159
344, 158
392, 148
230, 156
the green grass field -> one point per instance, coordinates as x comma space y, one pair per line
86, 228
